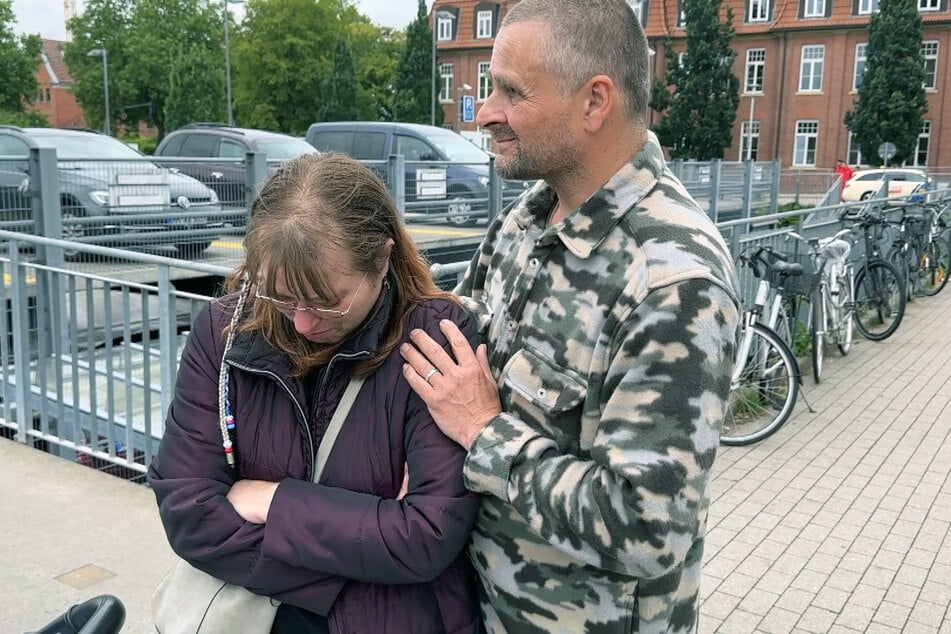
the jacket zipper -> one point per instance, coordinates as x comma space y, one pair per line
300, 408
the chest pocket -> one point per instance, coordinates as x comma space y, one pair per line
545, 396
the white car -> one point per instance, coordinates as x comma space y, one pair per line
902, 181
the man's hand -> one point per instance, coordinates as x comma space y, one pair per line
461, 394
252, 499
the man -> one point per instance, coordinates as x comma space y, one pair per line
610, 304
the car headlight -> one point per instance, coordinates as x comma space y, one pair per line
100, 197
214, 198
484, 180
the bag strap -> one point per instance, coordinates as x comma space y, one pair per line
330, 436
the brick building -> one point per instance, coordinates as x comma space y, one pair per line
55, 99
799, 64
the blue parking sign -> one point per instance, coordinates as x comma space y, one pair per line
468, 108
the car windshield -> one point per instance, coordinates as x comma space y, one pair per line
457, 148
70, 147
283, 149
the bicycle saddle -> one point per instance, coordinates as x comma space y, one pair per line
104, 614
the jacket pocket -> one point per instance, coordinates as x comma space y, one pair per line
545, 395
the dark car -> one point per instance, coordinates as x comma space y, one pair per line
445, 172
109, 189
209, 141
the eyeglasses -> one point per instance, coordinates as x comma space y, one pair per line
289, 308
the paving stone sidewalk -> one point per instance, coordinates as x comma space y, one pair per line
840, 521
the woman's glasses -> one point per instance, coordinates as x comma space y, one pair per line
289, 308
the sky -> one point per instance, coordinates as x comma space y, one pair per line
46, 17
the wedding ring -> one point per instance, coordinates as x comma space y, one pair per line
430, 374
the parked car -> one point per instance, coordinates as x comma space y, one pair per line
455, 176
109, 189
217, 141
902, 181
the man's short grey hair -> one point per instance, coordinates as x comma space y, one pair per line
584, 38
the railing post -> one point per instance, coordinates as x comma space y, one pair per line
396, 178
168, 336
715, 166
747, 209
255, 173
47, 215
495, 191
20, 318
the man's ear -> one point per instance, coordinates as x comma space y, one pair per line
600, 99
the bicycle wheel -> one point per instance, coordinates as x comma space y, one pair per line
842, 310
762, 399
879, 300
817, 326
933, 266
900, 261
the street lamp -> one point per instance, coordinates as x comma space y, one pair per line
101, 52
228, 59
445, 15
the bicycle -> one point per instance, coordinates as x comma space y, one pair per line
765, 381
879, 299
831, 304
932, 248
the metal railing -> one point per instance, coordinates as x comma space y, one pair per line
88, 358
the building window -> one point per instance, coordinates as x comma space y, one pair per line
929, 52
44, 95
854, 153
929, 5
807, 136
484, 25
485, 81
861, 57
445, 82
749, 140
758, 11
814, 9
755, 68
638, 7
444, 29
681, 16
924, 140
866, 7
810, 71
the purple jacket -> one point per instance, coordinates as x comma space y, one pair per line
345, 547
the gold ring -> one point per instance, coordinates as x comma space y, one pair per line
430, 374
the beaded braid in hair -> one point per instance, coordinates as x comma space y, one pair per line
225, 415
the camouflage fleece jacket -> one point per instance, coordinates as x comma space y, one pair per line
611, 335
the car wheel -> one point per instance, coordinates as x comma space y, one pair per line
192, 249
866, 195
460, 212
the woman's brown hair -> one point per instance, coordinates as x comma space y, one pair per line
309, 208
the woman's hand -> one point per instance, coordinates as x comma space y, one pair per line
251, 499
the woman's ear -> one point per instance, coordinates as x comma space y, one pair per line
385, 256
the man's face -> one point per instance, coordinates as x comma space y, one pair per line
531, 121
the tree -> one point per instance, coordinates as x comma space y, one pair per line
701, 109
18, 60
340, 87
146, 44
891, 99
414, 76
376, 51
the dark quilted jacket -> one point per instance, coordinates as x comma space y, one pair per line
345, 548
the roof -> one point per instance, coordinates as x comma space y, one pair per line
53, 57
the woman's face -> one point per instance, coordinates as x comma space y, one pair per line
331, 319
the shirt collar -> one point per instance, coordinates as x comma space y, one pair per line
587, 226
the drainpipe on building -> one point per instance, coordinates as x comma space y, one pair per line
782, 94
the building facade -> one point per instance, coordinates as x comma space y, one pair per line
799, 62
55, 99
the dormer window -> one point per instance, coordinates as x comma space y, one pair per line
484, 25
444, 29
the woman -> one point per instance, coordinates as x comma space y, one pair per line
331, 286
